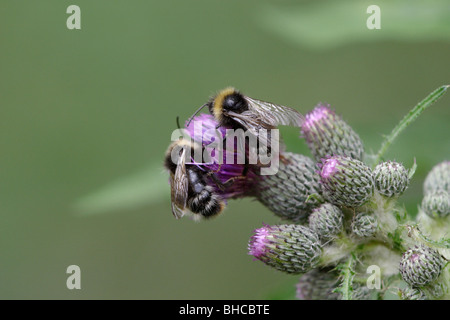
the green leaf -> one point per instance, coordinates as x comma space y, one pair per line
322, 25
347, 274
397, 240
412, 170
414, 231
146, 187
408, 119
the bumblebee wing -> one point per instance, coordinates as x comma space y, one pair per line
253, 124
179, 187
177, 210
273, 115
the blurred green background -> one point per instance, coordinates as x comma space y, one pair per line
86, 116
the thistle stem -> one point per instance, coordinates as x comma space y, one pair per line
408, 119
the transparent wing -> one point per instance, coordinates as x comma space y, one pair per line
273, 115
179, 187
262, 132
177, 211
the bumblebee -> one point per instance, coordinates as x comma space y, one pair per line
190, 191
232, 109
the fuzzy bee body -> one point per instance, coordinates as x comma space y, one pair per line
190, 192
202, 198
233, 109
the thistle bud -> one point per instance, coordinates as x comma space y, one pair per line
289, 248
438, 178
318, 284
409, 293
364, 225
421, 265
286, 193
345, 181
327, 221
436, 204
391, 178
361, 292
327, 134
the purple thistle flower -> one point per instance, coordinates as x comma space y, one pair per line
289, 248
226, 178
259, 241
345, 181
327, 134
203, 129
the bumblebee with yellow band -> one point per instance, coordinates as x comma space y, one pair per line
190, 191
232, 109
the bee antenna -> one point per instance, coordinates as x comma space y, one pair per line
195, 113
178, 122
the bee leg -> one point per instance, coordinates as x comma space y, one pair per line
215, 178
215, 171
230, 181
245, 170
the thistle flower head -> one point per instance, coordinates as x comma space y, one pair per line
327, 221
364, 225
288, 248
421, 265
345, 181
224, 176
410, 293
436, 204
390, 178
318, 284
438, 178
204, 129
286, 193
327, 134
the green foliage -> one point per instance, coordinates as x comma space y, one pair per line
408, 119
347, 274
414, 231
146, 187
323, 25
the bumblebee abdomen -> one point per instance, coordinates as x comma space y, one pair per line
212, 208
206, 203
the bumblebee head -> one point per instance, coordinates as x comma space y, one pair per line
174, 151
228, 99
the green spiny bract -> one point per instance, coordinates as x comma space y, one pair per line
287, 193
327, 221
364, 225
289, 248
438, 178
391, 178
327, 134
410, 293
318, 284
345, 181
421, 265
436, 204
